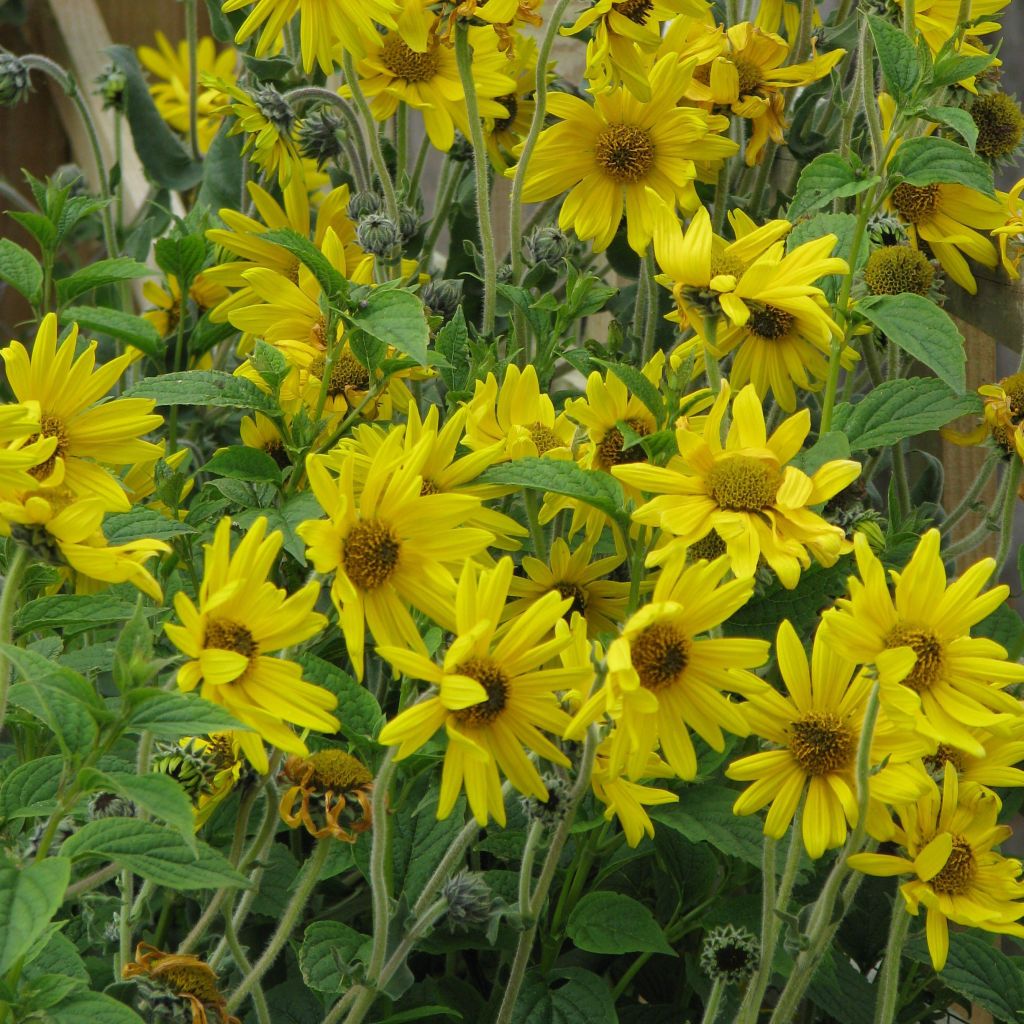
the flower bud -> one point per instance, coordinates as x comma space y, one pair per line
111, 85
14, 80
408, 222
319, 136
110, 805
274, 107
470, 901
378, 235
442, 297
548, 245
731, 954
548, 812
362, 204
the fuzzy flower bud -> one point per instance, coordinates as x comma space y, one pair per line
111, 85
110, 805
362, 204
378, 235
319, 135
548, 245
442, 297
470, 901
548, 812
274, 107
14, 80
730, 953
408, 222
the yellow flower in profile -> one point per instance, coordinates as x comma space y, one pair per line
90, 433
240, 620
326, 27
624, 154
16, 423
263, 434
171, 94
495, 696
1010, 234
628, 800
997, 766
625, 35
939, 21
745, 491
518, 416
664, 679
1002, 417
207, 768
948, 841
389, 546
167, 301
427, 79
959, 681
815, 729
578, 576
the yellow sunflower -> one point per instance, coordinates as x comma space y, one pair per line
167, 301
1002, 417
90, 433
745, 491
326, 27
622, 153
1010, 234
576, 575
171, 93
240, 619
997, 766
959, 681
939, 21
16, 423
815, 731
948, 841
628, 800
495, 697
664, 679
389, 546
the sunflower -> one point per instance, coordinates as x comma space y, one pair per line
495, 697
240, 619
90, 434
625, 35
337, 785
171, 94
664, 679
396, 71
749, 77
621, 152
997, 766
815, 731
949, 841
389, 546
578, 576
959, 681
167, 301
1010, 234
519, 416
1002, 417
206, 767
628, 800
745, 491
325, 26
939, 21
16, 464
263, 434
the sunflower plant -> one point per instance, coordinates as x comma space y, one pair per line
471, 543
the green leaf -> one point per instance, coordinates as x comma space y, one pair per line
222, 171
844, 227
240, 462
897, 55
951, 68
46, 990
271, 364
70, 722
203, 387
1006, 627
71, 613
182, 256
568, 996
163, 156
841, 991
704, 815
333, 284
639, 385
29, 897
95, 275
561, 476
135, 330
327, 947
922, 330
154, 852
43, 671
58, 955
169, 716
143, 522
422, 844
825, 178
609, 922
94, 1007
978, 971
155, 793
956, 118
30, 791
21, 270
358, 709
901, 408
40, 227
830, 446
452, 342
926, 160
395, 318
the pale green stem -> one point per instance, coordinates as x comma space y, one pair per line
967, 502
8, 605
713, 370
714, 1002
650, 326
191, 34
1013, 475
889, 975
124, 924
378, 866
526, 868
360, 169
532, 503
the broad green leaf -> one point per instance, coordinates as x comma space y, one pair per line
155, 793
640, 386
395, 318
173, 715
72, 725
135, 330
844, 227
1006, 627
830, 446
825, 178
609, 922
926, 160
154, 852
358, 709
841, 991
21, 270
95, 275
46, 990
327, 946
240, 462
922, 330
952, 68
271, 364
94, 1007
452, 342
423, 843
956, 118
30, 791
181, 256
897, 55
71, 613
333, 284
561, 476
29, 897
57, 955
222, 171
203, 387
143, 522
567, 996
42, 671
901, 408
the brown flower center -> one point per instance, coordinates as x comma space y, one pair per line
625, 152
578, 595
750, 75
404, 62
935, 764
347, 374
636, 10
931, 656
610, 451
895, 269
50, 426
660, 655
511, 104
915, 202
494, 681
710, 546
226, 635
337, 771
370, 553
1000, 124
429, 487
744, 483
958, 872
821, 742
188, 979
1014, 388
544, 437
770, 323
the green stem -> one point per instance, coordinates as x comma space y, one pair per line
967, 502
259, 1001
124, 924
714, 1002
532, 503
360, 168
8, 605
650, 326
526, 868
889, 976
721, 200
711, 367
482, 170
191, 34
401, 142
899, 476
1013, 476
378, 866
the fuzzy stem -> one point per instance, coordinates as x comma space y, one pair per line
191, 34
711, 367
1013, 475
8, 605
970, 496
714, 1002
650, 327
889, 975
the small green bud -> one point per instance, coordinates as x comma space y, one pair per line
470, 901
320, 135
111, 85
362, 204
731, 954
378, 235
14, 80
548, 245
